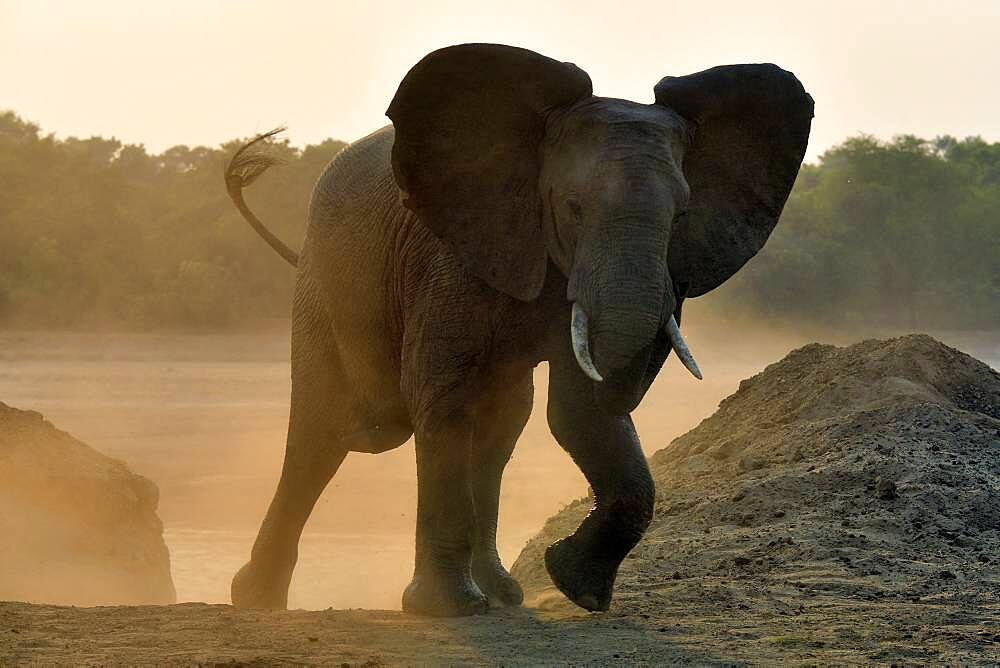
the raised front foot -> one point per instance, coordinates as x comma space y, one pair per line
584, 580
252, 589
438, 595
493, 579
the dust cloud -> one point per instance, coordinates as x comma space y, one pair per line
204, 416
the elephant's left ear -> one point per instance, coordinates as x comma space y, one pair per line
750, 131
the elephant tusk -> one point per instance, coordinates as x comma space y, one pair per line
680, 346
581, 343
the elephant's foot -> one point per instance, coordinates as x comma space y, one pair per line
498, 585
584, 580
251, 588
444, 595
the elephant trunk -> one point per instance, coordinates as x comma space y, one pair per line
623, 296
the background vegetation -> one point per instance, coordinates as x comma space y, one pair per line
898, 234
93, 232
904, 233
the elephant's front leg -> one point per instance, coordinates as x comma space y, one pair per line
500, 418
442, 582
606, 448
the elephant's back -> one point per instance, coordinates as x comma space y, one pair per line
357, 187
356, 216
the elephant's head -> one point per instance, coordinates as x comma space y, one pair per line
508, 157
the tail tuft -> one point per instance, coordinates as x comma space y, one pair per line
245, 168
247, 165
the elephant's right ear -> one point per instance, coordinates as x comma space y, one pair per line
469, 121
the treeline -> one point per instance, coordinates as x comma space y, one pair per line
897, 234
95, 232
905, 233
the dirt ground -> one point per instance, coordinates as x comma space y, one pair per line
843, 506
732, 625
218, 634
204, 417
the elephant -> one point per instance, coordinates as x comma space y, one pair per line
506, 217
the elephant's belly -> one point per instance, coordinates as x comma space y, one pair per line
379, 438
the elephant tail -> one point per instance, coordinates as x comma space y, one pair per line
245, 167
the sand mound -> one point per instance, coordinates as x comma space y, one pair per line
865, 480
77, 527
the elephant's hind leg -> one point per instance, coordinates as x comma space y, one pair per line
313, 453
500, 418
312, 457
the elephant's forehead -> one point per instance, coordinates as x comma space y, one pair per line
602, 118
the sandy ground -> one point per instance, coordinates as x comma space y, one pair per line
822, 631
771, 544
204, 416
216, 634
842, 506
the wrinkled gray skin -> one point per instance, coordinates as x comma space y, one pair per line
440, 264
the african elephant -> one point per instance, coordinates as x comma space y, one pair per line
508, 217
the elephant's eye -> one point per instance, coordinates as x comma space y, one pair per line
574, 207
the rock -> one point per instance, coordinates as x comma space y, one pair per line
885, 489
77, 527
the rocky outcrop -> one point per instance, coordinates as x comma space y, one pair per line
860, 478
76, 527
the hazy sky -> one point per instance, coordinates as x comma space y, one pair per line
204, 71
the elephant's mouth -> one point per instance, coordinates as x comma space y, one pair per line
620, 390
